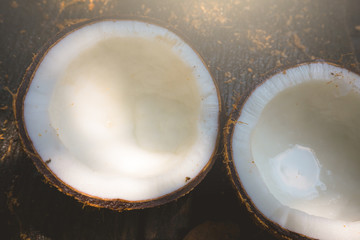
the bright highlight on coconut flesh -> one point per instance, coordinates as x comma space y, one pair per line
123, 110
297, 152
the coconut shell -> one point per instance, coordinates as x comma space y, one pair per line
41, 164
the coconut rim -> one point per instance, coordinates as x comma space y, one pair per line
228, 133
41, 165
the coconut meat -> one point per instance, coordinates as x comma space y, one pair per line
297, 152
123, 109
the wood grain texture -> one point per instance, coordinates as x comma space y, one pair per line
241, 42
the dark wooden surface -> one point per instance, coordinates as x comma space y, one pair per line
241, 41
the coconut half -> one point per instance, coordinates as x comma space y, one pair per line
120, 114
293, 150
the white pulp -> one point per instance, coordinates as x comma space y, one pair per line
308, 137
123, 109
127, 96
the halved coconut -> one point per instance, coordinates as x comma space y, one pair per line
293, 150
120, 114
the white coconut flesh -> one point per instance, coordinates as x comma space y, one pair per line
296, 149
124, 110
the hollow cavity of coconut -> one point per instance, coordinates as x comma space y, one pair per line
120, 111
296, 152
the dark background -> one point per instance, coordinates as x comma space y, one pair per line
241, 41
